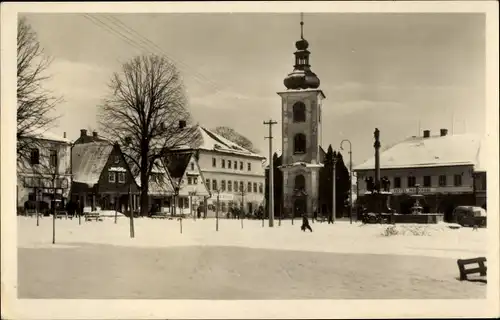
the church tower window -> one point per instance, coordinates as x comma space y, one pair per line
299, 112
299, 145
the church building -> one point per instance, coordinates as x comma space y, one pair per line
301, 134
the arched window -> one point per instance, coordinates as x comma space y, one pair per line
300, 182
299, 143
299, 112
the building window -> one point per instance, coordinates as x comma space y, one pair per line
195, 180
241, 165
411, 181
397, 182
299, 112
208, 184
241, 186
116, 159
192, 166
223, 163
53, 158
249, 187
121, 177
214, 185
457, 180
249, 166
255, 187
427, 181
229, 184
299, 143
442, 180
223, 185
261, 188
300, 182
235, 165
214, 162
186, 203
229, 162
35, 156
236, 186
189, 180
112, 177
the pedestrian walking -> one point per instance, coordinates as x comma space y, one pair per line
305, 224
330, 218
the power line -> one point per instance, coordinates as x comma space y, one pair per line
145, 44
145, 40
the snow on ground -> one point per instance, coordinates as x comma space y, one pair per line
342, 237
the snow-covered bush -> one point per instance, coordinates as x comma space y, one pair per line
390, 231
406, 230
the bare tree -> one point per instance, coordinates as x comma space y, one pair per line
143, 113
34, 102
233, 136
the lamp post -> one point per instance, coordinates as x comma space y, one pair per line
350, 175
334, 200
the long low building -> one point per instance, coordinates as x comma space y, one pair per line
447, 169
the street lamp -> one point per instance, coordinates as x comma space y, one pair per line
350, 175
334, 200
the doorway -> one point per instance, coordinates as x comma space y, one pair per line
299, 206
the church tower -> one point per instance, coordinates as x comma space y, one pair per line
301, 134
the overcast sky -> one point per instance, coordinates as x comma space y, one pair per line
391, 71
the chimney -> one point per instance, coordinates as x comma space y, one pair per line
83, 133
94, 134
182, 124
444, 132
64, 135
427, 133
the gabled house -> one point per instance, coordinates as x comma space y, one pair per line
101, 176
189, 184
160, 188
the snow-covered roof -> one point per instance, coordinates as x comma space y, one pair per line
460, 149
88, 161
39, 133
303, 164
209, 140
160, 182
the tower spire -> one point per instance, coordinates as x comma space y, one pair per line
302, 77
302, 25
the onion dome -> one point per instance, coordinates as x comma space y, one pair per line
302, 77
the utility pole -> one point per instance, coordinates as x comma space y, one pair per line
270, 123
217, 212
132, 229
54, 201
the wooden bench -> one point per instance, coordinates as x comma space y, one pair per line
159, 216
92, 216
481, 269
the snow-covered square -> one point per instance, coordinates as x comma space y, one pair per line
98, 260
